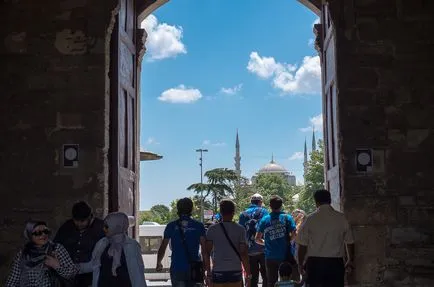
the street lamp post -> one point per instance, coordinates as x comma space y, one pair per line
201, 181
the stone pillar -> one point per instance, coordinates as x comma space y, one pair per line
386, 103
54, 59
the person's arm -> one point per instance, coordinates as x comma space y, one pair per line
301, 254
15, 274
292, 227
351, 252
302, 241
349, 243
241, 219
202, 241
244, 253
160, 254
245, 259
167, 235
66, 267
209, 246
259, 232
259, 238
205, 254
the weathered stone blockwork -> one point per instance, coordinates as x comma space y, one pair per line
386, 102
53, 80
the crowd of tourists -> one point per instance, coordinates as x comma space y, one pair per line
290, 249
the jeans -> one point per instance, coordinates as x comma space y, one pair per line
257, 264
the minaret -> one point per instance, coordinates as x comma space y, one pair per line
305, 159
313, 139
237, 156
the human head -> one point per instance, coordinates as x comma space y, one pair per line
299, 217
227, 209
285, 271
184, 206
276, 203
256, 199
322, 197
37, 232
116, 223
81, 215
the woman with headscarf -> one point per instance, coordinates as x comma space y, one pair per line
300, 217
117, 259
41, 263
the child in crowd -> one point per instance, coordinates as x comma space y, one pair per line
285, 272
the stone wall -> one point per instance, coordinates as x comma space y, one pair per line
386, 102
54, 92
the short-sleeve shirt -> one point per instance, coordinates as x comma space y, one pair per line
224, 257
275, 228
248, 214
193, 230
325, 232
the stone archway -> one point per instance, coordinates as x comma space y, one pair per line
54, 63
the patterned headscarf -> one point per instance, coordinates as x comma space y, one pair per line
117, 223
33, 257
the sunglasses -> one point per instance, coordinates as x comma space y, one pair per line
41, 232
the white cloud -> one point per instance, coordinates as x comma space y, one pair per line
180, 95
288, 78
317, 21
215, 144
152, 141
316, 122
264, 67
306, 80
163, 41
296, 155
232, 91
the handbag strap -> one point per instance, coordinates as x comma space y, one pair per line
184, 242
229, 240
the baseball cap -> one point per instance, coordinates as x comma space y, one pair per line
256, 196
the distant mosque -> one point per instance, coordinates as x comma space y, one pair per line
272, 167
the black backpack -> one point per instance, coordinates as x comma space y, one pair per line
250, 225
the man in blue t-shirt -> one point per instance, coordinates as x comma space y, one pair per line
194, 233
274, 231
250, 219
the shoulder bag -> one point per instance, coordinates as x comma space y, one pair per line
232, 245
197, 272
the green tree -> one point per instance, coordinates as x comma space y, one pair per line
242, 193
220, 182
274, 184
161, 213
314, 178
158, 213
145, 215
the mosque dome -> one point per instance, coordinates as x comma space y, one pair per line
272, 167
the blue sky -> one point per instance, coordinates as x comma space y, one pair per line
216, 66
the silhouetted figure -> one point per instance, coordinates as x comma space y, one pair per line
322, 240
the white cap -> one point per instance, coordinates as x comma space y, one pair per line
256, 196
